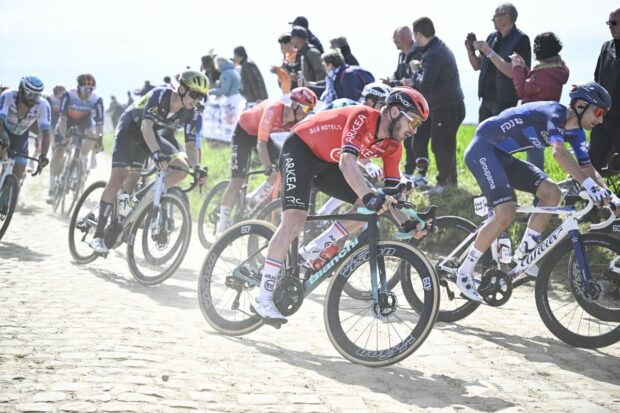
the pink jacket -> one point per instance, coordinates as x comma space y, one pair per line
543, 82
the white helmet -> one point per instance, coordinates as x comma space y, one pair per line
376, 89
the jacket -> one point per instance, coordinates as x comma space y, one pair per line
252, 83
438, 76
543, 82
230, 81
607, 74
311, 65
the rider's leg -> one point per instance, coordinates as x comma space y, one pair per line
58, 150
108, 198
228, 199
87, 147
19, 168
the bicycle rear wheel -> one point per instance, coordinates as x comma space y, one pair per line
84, 223
156, 261
386, 333
580, 317
209, 214
8, 202
224, 290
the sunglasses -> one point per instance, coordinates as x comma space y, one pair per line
32, 96
598, 112
86, 89
413, 122
612, 23
196, 95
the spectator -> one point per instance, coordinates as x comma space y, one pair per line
208, 68
310, 58
495, 86
168, 83
230, 80
145, 89
312, 39
115, 110
252, 83
287, 71
341, 44
607, 74
436, 76
342, 80
546, 79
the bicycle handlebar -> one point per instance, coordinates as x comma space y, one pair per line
191, 186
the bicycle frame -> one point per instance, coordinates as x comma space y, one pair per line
7, 170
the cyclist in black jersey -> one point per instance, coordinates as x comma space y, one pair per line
146, 128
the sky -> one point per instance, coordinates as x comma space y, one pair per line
124, 43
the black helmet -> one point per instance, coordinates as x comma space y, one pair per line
593, 93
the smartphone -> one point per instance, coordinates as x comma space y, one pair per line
471, 38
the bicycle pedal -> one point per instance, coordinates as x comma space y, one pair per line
274, 323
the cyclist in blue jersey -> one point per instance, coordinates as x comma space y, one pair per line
532, 125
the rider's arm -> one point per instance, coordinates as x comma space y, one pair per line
45, 141
265, 126
190, 141
45, 123
149, 135
567, 161
192, 153
351, 171
62, 117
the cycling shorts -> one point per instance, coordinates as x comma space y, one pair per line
497, 172
242, 145
130, 150
18, 143
85, 124
301, 169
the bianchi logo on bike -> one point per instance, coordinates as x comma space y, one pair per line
345, 251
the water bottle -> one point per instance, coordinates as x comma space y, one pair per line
327, 254
504, 248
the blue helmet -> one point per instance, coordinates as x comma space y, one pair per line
593, 93
31, 84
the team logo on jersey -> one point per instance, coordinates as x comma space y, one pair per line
334, 154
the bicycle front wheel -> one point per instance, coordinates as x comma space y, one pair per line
377, 335
8, 202
580, 316
71, 186
84, 223
224, 287
153, 261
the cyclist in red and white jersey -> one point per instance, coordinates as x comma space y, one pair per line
253, 131
323, 151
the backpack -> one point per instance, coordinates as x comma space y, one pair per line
364, 77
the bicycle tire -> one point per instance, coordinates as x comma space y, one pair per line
136, 265
71, 187
79, 215
11, 187
339, 324
559, 297
152, 259
247, 242
210, 214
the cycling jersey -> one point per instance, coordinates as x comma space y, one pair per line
155, 106
40, 112
353, 130
533, 125
76, 109
55, 106
264, 118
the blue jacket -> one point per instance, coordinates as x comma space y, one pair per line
438, 77
230, 81
506, 93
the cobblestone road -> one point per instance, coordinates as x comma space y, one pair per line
89, 338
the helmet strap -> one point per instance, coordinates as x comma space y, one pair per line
393, 123
573, 106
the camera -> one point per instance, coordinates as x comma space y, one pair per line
471, 38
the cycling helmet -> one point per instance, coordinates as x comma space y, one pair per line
593, 93
30, 89
304, 96
408, 99
86, 80
377, 89
195, 81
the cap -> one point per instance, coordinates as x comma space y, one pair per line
300, 21
299, 31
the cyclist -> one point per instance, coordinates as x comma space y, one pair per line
373, 95
54, 101
79, 107
146, 128
532, 125
253, 131
19, 110
323, 150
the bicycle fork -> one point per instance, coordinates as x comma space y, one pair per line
157, 221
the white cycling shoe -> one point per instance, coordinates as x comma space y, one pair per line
268, 310
467, 284
98, 245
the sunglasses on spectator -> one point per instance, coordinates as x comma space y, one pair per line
612, 23
196, 95
413, 122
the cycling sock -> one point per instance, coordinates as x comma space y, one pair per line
105, 209
268, 282
222, 224
530, 233
467, 267
329, 206
332, 234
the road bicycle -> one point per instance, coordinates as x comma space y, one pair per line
378, 329
577, 275
157, 230
9, 188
